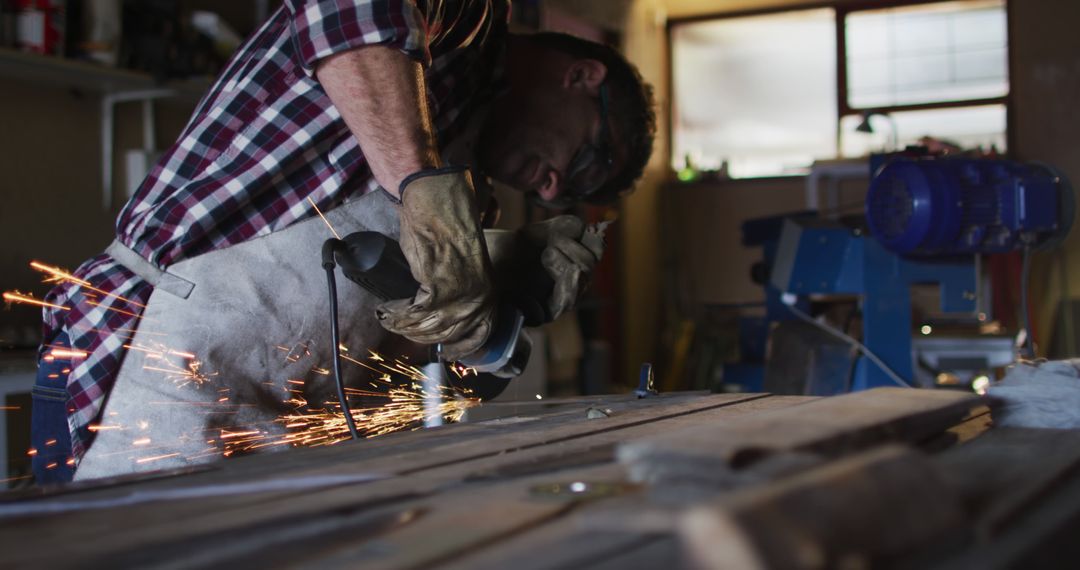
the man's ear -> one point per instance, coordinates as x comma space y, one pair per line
585, 74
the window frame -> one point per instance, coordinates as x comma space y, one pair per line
841, 10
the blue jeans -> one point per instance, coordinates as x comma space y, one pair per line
49, 434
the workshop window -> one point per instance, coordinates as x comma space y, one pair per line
929, 70
755, 96
768, 94
967, 127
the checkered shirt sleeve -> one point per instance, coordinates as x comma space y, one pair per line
325, 27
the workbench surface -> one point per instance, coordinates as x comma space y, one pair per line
676, 480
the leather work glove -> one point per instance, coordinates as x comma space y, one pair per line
570, 253
442, 240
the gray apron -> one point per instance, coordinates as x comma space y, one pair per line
256, 317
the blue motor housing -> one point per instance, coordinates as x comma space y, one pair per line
922, 205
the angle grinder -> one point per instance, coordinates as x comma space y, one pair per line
376, 263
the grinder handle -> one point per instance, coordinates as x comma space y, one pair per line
376, 263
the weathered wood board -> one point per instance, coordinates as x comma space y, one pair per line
543, 490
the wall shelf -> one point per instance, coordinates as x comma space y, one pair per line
88, 77
114, 86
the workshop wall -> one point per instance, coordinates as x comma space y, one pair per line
1045, 84
692, 8
645, 44
702, 226
50, 157
51, 185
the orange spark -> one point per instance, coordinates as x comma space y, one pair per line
68, 353
181, 374
115, 310
155, 458
295, 353
160, 350
232, 434
58, 275
462, 371
325, 221
405, 408
16, 297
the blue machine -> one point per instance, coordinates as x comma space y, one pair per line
925, 206
929, 217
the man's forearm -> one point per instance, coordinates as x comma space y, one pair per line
380, 95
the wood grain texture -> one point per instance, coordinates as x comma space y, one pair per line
497, 494
428, 464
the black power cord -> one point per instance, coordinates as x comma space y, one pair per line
328, 264
1028, 349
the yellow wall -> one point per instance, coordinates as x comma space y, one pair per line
702, 230
690, 8
50, 185
1045, 84
645, 45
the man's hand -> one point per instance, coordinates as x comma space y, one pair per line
570, 254
442, 240
380, 94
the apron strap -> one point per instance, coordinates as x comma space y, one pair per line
149, 272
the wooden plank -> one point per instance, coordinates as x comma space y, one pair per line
301, 459
1042, 536
565, 544
854, 512
976, 423
649, 551
840, 426
827, 426
598, 533
1008, 471
476, 517
445, 510
490, 507
912, 416
194, 519
516, 518
558, 538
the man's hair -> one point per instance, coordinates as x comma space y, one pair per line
631, 107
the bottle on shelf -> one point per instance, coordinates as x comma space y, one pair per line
39, 26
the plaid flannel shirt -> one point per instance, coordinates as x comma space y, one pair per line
262, 141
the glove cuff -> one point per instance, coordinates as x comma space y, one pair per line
429, 172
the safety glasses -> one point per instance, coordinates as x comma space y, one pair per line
591, 164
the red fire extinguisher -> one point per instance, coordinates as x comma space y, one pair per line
39, 26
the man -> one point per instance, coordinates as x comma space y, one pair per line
206, 309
